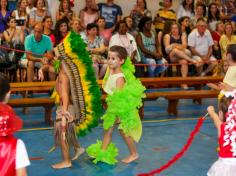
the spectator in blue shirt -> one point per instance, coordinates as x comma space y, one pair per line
39, 52
111, 12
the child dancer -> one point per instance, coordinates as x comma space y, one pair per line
78, 96
13, 155
225, 123
124, 98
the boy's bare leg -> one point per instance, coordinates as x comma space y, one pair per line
51, 73
78, 150
65, 155
132, 149
64, 93
107, 138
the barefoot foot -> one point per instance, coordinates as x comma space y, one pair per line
62, 165
78, 152
130, 158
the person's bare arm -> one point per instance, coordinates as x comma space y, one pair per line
215, 117
21, 172
8, 36
120, 82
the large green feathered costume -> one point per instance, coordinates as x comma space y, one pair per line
123, 104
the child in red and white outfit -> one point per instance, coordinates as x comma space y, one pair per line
225, 122
13, 155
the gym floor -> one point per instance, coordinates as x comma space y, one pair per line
163, 137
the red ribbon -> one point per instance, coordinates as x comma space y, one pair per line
180, 153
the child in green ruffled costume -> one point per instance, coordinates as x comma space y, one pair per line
125, 94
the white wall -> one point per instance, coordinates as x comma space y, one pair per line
126, 5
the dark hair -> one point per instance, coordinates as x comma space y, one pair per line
57, 32
45, 18
191, 6
142, 22
61, 6
36, 2
201, 19
210, 16
119, 23
10, 18
91, 26
203, 6
4, 86
145, 4
121, 51
7, 7
231, 49
224, 104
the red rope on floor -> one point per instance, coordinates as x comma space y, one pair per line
180, 153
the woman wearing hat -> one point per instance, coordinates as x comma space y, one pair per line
14, 158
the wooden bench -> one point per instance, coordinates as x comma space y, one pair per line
172, 96
45, 102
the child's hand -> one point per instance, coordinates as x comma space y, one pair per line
41, 76
226, 87
210, 110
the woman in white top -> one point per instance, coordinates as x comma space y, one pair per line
65, 10
21, 16
89, 14
126, 40
38, 14
186, 9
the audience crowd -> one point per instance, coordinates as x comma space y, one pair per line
195, 36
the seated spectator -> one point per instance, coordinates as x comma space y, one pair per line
89, 14
39, 53
176, 47
164, 14
14, 38
47, 25
39, 13
30, 7
14, 158
103, 32
186, 9
213, 16
200, 12
185, 25
216, 35
75, 25
65, 10
126, 40
227, 9
111, 12
4, 15
140, 10
13, 35
160, 35
227, 38
129, 23
60, 32
97, 49
22, 17
201, 43
147, 42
